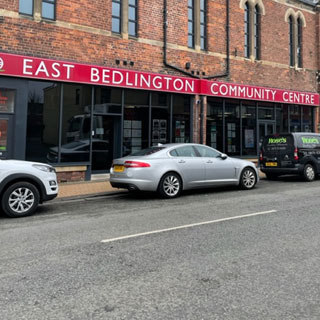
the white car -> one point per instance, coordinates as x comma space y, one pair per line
24, 184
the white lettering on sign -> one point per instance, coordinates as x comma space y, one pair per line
42, 68
54, 67
26, 66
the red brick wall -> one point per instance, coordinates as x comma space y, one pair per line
82, 34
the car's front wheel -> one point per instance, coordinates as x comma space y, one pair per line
248, 179
170, 185
21, 199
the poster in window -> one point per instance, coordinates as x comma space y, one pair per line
249, 138
127, 124
3, 135
7, 100
136, 124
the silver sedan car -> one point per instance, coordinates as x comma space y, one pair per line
171, 168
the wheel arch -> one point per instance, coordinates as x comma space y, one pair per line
10, 180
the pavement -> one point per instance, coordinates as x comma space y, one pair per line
98, 185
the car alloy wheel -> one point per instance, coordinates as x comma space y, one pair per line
248, 178
20, 199
170, 185
309, 173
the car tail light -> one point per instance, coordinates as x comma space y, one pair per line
295, 155
261, 156
136, 164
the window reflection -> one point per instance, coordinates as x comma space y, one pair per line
249, 128
215, 124
181, 119
232, 127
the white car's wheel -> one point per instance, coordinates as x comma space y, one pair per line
170, 185
20, 200
248, 178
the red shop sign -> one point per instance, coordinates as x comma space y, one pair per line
53, 70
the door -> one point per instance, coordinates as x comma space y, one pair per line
105, 138
190, 166
6, 137
265, 128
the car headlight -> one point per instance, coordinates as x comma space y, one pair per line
44, 168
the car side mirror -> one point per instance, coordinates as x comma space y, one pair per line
223, 156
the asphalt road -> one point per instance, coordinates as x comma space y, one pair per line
210, 254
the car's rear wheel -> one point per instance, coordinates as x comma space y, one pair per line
20, 200
309, 174
248, 179
170, 185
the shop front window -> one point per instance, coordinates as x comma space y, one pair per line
307, 119
160, 118
232, 127
281, 118
181, 119
265, 111
295, 118
249, 129
107, 100
76, 123
136, 121
215, 124
43, 121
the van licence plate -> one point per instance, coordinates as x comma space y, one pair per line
118, 168
271, 164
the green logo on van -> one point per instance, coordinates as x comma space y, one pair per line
277, 140
312, 140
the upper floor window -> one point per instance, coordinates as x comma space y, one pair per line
26, 7
132, 17
296, 22
203, 23
116, 16
191, 23
48, 9
252, 28
299, 43
44, 8
291, 42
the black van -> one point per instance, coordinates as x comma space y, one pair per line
291, 153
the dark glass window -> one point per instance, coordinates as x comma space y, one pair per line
26, 7
160, 119
299, 43
107, 100
295, 118
191, 23
181, 119
203, 23
247, 33
215, 124
133, 17
76, 123
257, 33
48, 9
116, 16
249, 128
307, 119
136, 121
232, 127
291, 41
282, 118
43, 121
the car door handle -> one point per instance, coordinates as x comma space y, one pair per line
182, 161
209, 161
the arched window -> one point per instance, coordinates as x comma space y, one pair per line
299, 43
291, 41
247, 31
257, 33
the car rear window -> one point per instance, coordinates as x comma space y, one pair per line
278, 143
147, 152
309, 141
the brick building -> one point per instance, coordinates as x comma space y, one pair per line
82, 82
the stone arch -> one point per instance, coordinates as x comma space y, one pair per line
252, 4
300, 15
295, 15
289, 12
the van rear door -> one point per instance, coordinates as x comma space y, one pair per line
278, 151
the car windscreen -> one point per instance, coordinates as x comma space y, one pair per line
308, 141
147, 152
278, 143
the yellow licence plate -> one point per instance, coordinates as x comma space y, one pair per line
271, 164
118, 168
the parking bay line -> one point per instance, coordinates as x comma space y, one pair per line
187, 226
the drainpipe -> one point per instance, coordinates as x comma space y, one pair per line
165, 28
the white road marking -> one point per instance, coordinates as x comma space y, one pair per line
188, 226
